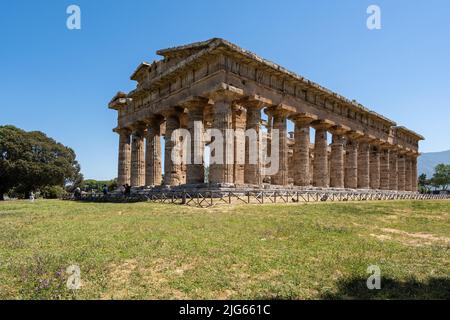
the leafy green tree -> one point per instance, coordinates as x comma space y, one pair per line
441, 177
31, 160
97, 185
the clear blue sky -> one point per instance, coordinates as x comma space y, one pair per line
60, 81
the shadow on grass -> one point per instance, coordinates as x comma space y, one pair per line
356, 288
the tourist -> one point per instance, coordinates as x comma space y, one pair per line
31, 196
105, 189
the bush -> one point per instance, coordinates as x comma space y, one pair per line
53, 192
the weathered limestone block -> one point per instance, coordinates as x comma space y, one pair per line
124, 167
393, 170
374, 167
153, 164
401, 167
384, 169
138, 157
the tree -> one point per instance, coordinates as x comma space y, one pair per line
424, 183
31, 160
441, 176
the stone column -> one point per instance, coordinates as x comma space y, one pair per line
384, 169
252, 169
124, 165
393, 171
408, 174
374, 167
302, 170
363, 165
138, 157
153, 167
279, 123
223, 173
415, 187
401, 167
320, 173
337, 157
172, 158
351, 160
239, 125
195, 171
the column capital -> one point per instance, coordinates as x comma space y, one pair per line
367, 138
281, 110
323, 124
340, 129
194, 102
355, 134
304, 118
138, 127
225, 92
254, 101
122, 130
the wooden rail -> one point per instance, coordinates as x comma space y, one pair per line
206, 199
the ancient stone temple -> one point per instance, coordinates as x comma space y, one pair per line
226, 87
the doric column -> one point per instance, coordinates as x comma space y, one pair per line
153, 168
279, 123
239, 125
195, 172
302, 170
401, 167
320, 173
408, 173
364, 164
222, 171
415, 186
374, 167
337, 165
138, 156
172, 156
124, 164
384, 169
351, 159
252, 167
393, 170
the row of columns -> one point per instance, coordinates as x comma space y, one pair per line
356, 161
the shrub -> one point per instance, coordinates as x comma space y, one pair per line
53, 192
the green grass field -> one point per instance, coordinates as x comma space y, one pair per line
154, 251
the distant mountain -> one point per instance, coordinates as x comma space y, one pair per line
427, 161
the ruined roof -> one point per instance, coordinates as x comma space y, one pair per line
410, 132
197, 47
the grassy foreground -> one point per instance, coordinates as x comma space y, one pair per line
153, 251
